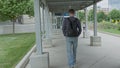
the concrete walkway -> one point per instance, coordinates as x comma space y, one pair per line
105, 56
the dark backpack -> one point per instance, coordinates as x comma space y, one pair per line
72, 28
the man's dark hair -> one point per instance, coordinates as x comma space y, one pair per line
72, 11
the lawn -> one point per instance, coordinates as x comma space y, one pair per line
107, 27
114, 31
14, 47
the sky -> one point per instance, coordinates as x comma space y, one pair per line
112, 4
103, 4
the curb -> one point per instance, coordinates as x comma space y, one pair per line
25, 59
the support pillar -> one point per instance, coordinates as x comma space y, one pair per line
47, 40
95, 40
39, 59
54, 19
42, 20
86, 23
50, 24
55, 23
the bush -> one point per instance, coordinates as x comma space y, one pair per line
118, 27
107, 25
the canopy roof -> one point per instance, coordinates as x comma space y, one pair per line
64, 5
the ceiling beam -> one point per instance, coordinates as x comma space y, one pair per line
64, 5
67, 0
73, 2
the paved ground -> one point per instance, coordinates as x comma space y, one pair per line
105, 56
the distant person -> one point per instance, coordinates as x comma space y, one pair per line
71, 30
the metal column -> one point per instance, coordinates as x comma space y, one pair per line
43, 17
46, 22
95, 18
36, 58
95, 40
38, 26
86, 22
50, 24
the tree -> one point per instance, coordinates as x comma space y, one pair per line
101, 16
12, 9
30, 8
29, 11
90, 15
114, 14
81, 15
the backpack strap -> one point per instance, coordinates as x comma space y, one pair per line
72, 22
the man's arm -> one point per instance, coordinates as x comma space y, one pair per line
64, 26
79, 26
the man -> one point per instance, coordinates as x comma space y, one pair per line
71, 30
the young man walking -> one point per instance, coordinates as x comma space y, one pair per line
71, 30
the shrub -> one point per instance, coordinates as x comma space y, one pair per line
107, 25
118, 27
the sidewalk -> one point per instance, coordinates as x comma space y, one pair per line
105, 56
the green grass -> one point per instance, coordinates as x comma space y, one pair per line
14, 47
114, 31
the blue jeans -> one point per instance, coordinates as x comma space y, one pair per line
72, 43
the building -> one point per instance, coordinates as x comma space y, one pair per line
105, 10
